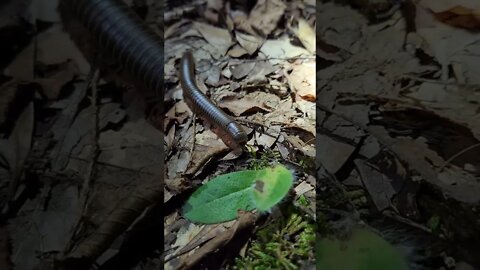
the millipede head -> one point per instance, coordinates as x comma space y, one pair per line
237, 132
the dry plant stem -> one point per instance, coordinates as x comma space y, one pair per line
407, 221
91, 167
91, 80
194, 117
118, 221
457, 155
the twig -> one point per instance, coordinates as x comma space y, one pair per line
457, 155
96, 151
418, 79
193, 134
406, 221
88, 175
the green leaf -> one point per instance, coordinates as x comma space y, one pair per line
271, 186
365, 250
220, 199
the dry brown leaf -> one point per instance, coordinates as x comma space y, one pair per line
378, 185
208, 232
217, 37
306, 34
186, 234
237, 51
421, 158
22, 66
69, 126
333, 154
302, 79
370, 147
266, 14
245, 219
239, 20
305, 124
178, 164
246, 104
446, 42
242, 70
179, 112
14, 149
135, 146
52, 85
463, 13
206, 149
259, 72
263, 139
49, 229
208, 138
281, 48
174, 28
450, 102
213, 76
297, 143
306, 107
340, 27
248, 42
459, 16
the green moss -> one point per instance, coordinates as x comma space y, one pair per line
302, 200
263, 160
283, 244
308, 163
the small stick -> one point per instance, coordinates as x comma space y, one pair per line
457, 155
92, 80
